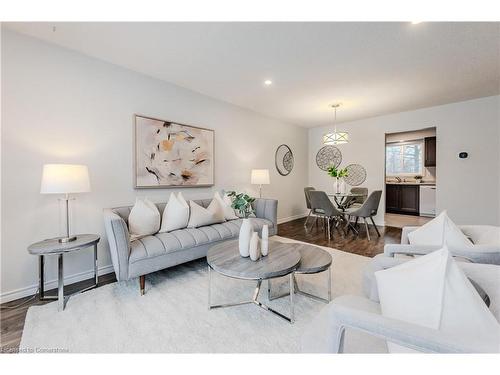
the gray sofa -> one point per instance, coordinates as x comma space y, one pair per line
163, 250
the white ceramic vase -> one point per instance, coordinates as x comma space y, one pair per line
244, 238
264, 244
254, 247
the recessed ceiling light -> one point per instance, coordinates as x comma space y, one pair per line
268, 82
415, 22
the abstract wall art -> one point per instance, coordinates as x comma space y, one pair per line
283, 159
169, 154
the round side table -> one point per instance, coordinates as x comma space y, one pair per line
54, 247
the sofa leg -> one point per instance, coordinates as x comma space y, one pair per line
142, 283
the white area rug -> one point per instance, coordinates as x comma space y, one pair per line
173, 315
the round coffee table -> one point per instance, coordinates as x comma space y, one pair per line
282, 260
312, 260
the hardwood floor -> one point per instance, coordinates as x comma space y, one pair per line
350, 243
12, 320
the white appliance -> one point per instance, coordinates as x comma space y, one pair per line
428, 200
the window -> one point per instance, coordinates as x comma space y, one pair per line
404, 158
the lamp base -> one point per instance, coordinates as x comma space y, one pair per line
67, 239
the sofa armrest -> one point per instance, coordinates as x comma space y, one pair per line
486, 254
404, 234
392, 249
119, 243
399, 332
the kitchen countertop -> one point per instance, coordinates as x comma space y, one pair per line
410, 183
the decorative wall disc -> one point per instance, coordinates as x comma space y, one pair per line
356, 174
328, 156
284, 160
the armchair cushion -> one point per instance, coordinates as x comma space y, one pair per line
439, 231
432, 291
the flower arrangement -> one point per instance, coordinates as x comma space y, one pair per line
242, 203
337, 173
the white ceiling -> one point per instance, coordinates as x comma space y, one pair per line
372, 68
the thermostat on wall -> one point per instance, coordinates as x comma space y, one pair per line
463, 155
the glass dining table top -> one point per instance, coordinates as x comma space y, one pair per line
347, 194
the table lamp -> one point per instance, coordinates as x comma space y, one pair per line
65, 179
260, 177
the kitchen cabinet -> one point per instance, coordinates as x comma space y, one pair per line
402, 199
430, 152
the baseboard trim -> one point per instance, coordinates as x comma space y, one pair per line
290, 218
52, 284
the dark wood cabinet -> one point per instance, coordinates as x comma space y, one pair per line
392, 193
430, 152
402, 199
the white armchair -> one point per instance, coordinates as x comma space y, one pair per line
354, 324
485, 248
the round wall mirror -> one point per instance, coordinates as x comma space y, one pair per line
284, 160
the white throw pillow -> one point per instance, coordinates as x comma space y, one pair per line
432, 291
200, 216
216, 208
226, 206
438, 232
144, 219
176, 213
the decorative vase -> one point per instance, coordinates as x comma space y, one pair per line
264, 243
342, 185
244, 238
254, 247
336, 185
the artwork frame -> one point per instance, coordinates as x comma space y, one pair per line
196, 171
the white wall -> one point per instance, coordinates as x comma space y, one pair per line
61, 106
468, 188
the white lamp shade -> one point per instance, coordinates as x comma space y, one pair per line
65, 179
335, 138
260, 177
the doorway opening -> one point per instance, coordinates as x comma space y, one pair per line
410, 177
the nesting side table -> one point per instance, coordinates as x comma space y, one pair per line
54, 247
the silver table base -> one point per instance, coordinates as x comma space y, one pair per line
60, 297
295, 287
254, 299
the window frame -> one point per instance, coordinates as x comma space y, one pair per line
422, 156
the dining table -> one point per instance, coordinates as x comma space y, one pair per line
341, 199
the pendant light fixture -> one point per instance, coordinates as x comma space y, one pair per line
336, 137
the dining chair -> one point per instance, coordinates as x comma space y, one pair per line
367, 210
321, 203
358, 200
307, 189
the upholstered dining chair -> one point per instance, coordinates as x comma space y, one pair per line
368, 210
323, 206
307, 189
357, 201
